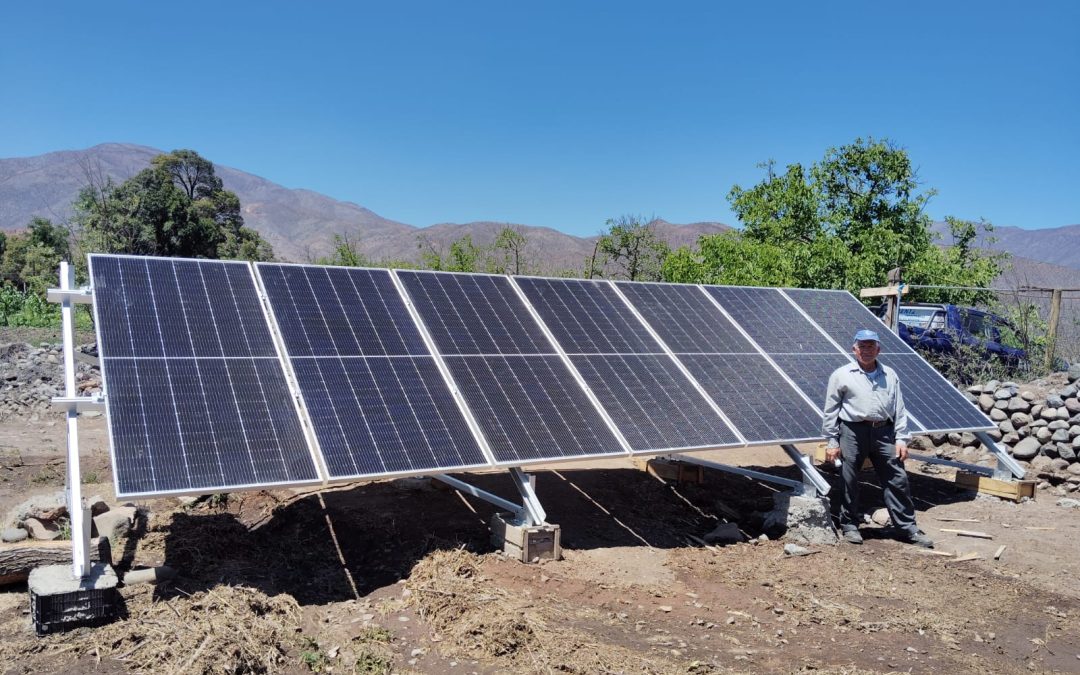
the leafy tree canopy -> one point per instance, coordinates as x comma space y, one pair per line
843, 223
176, 207
629, 249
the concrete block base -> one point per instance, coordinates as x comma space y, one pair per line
801, 519
527, 543
58, 602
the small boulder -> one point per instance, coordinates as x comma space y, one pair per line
1001, 404
116, 523
1026, 449
1066, 451
97, 505
724, 534
997, 414
1043, 434
13, 534
1027, 396
1019, 419
1057, 425
1054, 401
42, 530
1010, 439
1048, 413
986, 402
1069, 391
795, 549
1018, 405
1006, 427
1069, 503
1058, 464
1005, 393
881, 517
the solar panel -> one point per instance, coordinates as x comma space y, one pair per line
685, 319
474, 314
587, 317
376, 399
931, 399
841, 315
810, 372
755, 397
652, 403
196, 397
771, 321
530, 408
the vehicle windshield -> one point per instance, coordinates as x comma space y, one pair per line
920, 317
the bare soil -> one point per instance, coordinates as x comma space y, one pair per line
401, 577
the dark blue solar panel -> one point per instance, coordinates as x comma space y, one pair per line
771, 320
758, 401
810, 372
840, 315
178, 423
931, 399
384, 415
652, 403
685, 319
474, 314
531, 408
588, 317
339, 311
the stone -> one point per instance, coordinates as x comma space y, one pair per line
881, 517
725, 533
1026, 449
1005, 393
115, 524
97, 505
970, 398
803, 519
1027, 396
1074, 469
1019, 419
1018, 405
967, 438
795, 549
1043, 434
1058, 464
938, 439
45, 531
1063, 414
1057, 425
1035, 424
991, 386
1072, 405
1006, 427
1076, 443
49, 507
997, 414
1074, 372
1001, 404
13, 534
1069, 503
1048, 413
1010, 439
1042, 464
974, 389
1069, 391
996, 434
1054, 401
986, 401
1066, 451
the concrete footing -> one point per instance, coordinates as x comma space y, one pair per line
801, 519
527, 543
59, 602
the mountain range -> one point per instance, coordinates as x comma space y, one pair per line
301, 224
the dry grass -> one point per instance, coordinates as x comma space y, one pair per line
228, 629
477, 618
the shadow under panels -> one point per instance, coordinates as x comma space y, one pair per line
762, 405
524, 398
196, 396
376, 399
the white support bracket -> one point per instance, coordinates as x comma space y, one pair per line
813, 482
67, 295
79, 403
529, 512
795, 485
1007, 467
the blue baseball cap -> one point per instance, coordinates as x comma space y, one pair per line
865, 334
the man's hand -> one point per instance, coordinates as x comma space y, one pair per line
832, 454
901, 451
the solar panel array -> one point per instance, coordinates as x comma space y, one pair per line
223, 375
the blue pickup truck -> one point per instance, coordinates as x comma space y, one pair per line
940, 327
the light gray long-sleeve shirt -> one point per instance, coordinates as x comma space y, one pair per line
855, 395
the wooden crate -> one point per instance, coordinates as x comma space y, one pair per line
1006, 489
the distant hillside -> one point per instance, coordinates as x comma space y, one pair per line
300, 224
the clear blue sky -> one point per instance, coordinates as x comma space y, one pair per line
561, 114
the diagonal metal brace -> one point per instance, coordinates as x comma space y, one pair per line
813, 481
1007, 467
529, 512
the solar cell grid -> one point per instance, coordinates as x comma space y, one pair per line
841, 315
931, 399
587, 317
810, 372
196, 397
771, 321
474, 314
685, 319
755, 397
652, 404
531, 408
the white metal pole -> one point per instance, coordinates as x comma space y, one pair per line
80, 524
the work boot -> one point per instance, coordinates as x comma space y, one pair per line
852, 536
918, 538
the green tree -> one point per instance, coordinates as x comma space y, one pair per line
632, 247
176, 207
31, 259
841, 224
509, 253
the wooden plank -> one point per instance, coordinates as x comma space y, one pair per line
16, 560
883, 291
966, 557
968, 533
958, 520
997, 553
927, 551
1014, 490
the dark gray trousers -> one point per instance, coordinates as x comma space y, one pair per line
857, 442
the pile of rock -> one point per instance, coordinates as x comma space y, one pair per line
31, 376
1042, 430
45, 518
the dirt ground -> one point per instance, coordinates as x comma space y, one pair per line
401, 577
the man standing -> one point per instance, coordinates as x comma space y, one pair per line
865, 417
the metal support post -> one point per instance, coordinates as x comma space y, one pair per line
80, 518
1007, 467
974, 468
795, 485
529, 512
813, 481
